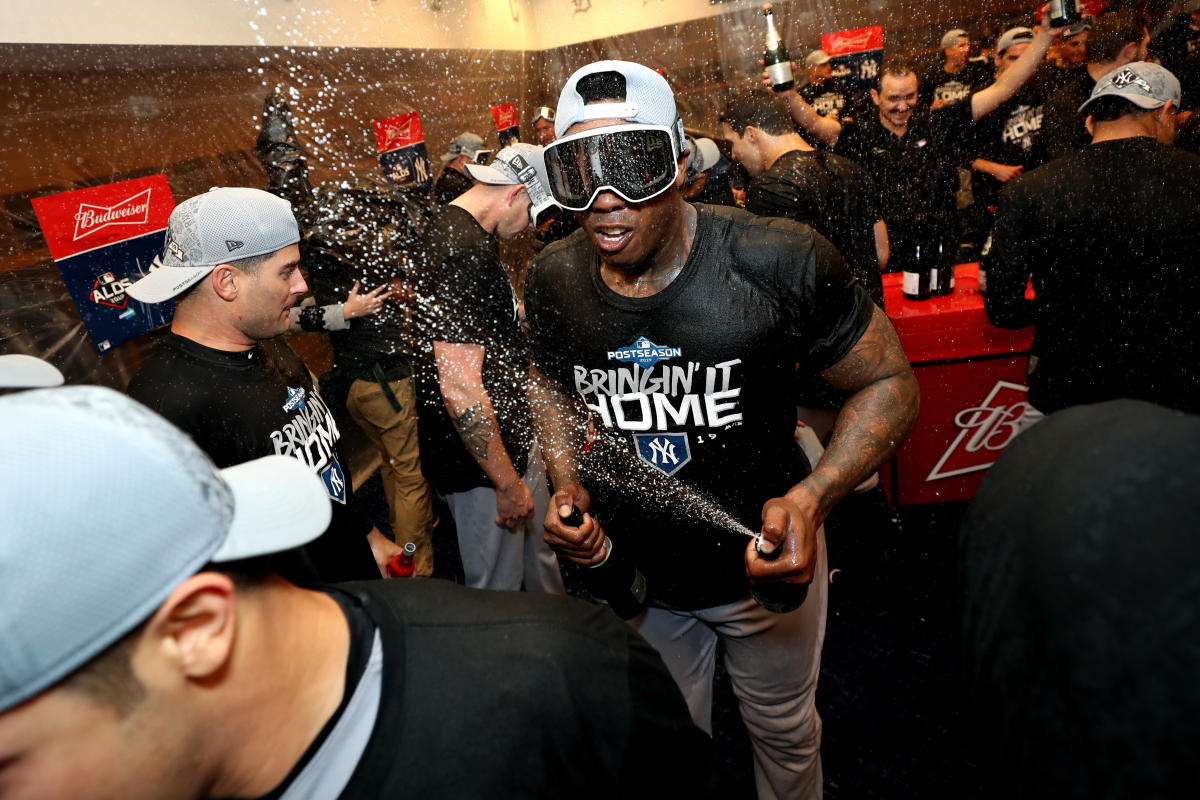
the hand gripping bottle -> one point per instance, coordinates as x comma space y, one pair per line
776, 596
616, 580
401, 565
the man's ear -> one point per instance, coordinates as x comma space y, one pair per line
875, 96
1090, 125
194, 630
513, 193
225, 279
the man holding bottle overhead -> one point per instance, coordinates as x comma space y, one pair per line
913, 156
685, 407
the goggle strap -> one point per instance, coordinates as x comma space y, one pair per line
609, 111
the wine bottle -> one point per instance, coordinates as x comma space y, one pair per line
915, 281
1064, 13
615, 581
775, 56
943, 282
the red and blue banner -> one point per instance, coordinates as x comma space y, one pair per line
102, 239
856, 55
508, 128
401, 146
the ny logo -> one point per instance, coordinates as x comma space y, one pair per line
666, 452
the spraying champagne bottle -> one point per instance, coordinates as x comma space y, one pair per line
775, 56
615, 581
776, 596
1064, 12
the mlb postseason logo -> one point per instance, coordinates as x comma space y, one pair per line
295, 399
666, 452
644, 353
335, 480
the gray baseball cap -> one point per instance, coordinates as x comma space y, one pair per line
1144, 84
222, 225
816, 58
107, 508
520, 163
1013, 36
648, 101
468, 143
951, 37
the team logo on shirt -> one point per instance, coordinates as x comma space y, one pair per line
644, 353
295, 399
666, 452
335, 480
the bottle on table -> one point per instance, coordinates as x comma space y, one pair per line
616, 580
775, 56
915, 280
1064, 12
402, 565
941, 281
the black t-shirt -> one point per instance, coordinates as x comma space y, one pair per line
830, 96
1012, 133
951, 87
917, 173
689, 388
1063, 131
450, 184
464, 296
239, 406
1110, 234
833, 195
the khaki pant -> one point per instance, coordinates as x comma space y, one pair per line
409, 497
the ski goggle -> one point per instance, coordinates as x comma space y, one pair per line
635, 163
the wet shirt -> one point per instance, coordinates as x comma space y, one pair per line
916, 173
1012, 134
830, 96
464, 296
1063, 128
239, 406
1110, 235
951, 87
450, 184
833, 195
689, 389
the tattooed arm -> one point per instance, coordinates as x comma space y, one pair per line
870, 427
460, 378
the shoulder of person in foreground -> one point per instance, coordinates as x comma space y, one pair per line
556, 670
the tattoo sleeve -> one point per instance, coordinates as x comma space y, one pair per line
875, 419
477, 430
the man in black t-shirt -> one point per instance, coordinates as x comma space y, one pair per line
912, 156
476, 433
1109, 234
231, 262
955, 77
177, 663
666, 336
792, 179
466, 148
1117, 38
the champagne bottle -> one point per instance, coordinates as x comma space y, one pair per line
943, 282
776, 596
915, 282
401, 565
615, 581
1064, 12
775, 56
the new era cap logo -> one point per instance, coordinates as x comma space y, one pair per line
133, 210
232, 245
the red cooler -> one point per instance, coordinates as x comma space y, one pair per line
972, 378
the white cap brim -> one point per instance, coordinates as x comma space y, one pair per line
709, 153
279, 504
490, 175
27, 372
163, 283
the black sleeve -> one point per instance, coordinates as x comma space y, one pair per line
1008, 261
769, 196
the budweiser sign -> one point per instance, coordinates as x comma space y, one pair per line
393, 133
983, 431
505, 116
852, 41
133, 210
